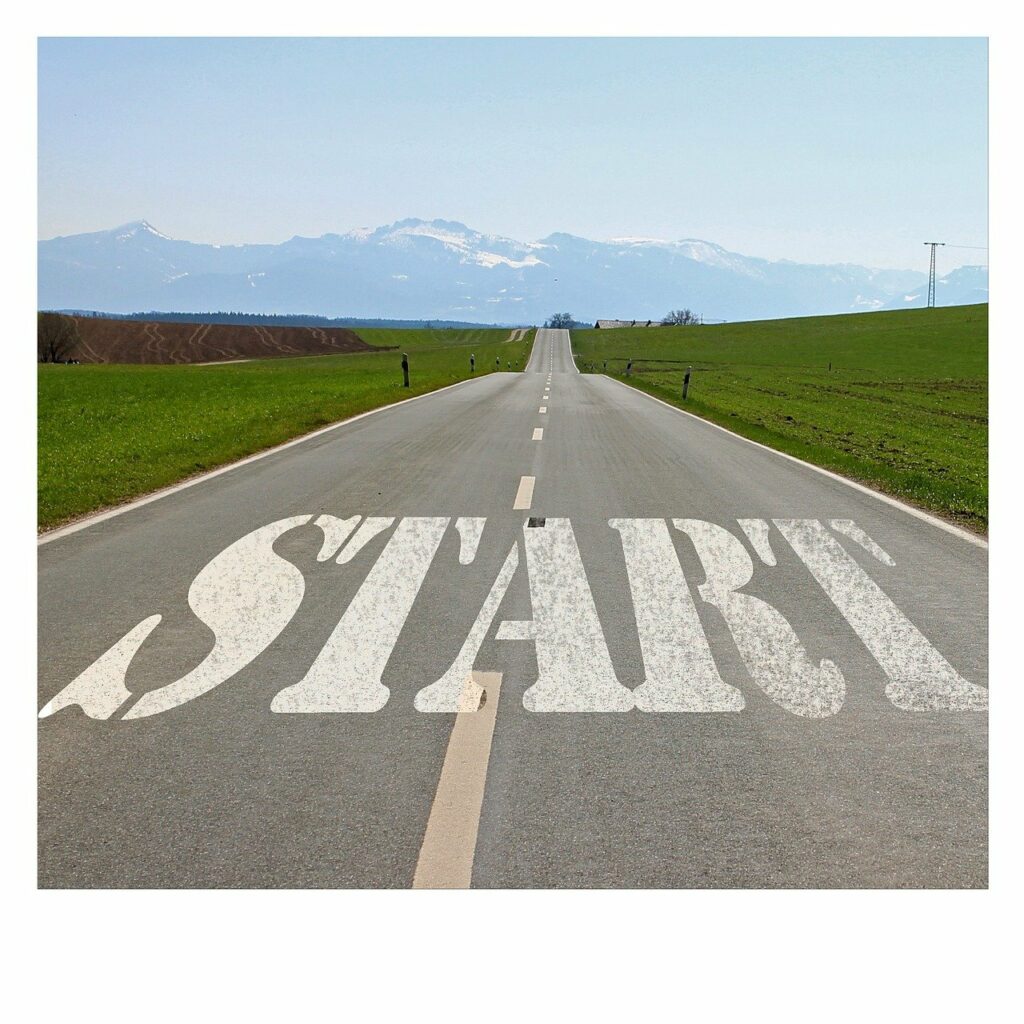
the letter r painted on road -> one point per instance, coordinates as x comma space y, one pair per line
680, 672
771, 650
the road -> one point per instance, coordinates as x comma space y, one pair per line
703, 665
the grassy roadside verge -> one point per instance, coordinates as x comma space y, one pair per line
107, 434
904, 407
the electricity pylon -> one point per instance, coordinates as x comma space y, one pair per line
931, 274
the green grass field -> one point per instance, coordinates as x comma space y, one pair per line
904, 407
110, 433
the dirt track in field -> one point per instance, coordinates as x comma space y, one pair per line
143, 341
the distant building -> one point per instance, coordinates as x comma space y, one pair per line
603, 324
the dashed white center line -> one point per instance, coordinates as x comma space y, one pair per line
543, 408
538, 433
524, 496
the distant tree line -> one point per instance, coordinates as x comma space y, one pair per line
277, 320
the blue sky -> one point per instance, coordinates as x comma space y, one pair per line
826, 150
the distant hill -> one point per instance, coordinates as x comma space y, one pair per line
444, 271
125, 340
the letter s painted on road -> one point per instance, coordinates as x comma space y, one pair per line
246, 595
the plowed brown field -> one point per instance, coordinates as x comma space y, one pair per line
139, 341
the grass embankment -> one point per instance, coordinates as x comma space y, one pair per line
110, 433
904, 407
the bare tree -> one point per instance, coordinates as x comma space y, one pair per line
561, 321
57, 337
681, 317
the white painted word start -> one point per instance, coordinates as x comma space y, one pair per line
248, 594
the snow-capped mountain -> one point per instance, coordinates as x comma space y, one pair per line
443, 269
959, 287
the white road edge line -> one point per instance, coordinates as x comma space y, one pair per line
956, 531
110, 513
538, 433
524, 496
449, 842
572, 355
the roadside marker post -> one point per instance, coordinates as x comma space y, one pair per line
686, 382
472, 363
405, 368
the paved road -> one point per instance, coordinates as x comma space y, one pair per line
703, 665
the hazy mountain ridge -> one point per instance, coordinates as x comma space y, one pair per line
439, 269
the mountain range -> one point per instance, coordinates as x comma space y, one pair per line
441, 269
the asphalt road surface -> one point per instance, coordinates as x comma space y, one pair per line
577, 639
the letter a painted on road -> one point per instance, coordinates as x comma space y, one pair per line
576, 672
